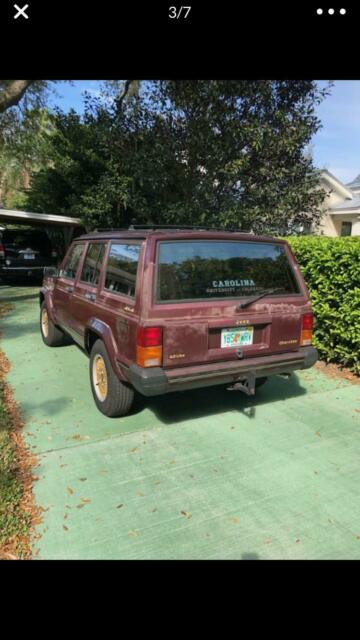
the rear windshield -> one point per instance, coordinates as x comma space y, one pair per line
200, 269
27, 239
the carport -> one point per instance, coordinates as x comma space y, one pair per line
61, 229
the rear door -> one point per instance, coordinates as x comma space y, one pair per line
83, 303
199, 285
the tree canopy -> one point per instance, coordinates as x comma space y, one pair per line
222, 153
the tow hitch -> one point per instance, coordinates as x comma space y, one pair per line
245, 384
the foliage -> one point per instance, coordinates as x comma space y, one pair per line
331, 268
229, 153
22, 151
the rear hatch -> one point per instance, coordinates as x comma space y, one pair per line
26, 248
202, 291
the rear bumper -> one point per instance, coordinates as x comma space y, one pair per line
156, 381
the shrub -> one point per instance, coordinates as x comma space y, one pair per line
331, 268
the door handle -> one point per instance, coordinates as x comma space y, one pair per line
69, 289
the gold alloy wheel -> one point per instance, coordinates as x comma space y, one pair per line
100, 377
45, 322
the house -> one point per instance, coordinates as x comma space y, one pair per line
341, 207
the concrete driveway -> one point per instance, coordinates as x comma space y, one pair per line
203, 474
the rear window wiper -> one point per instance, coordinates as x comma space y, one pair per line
262, 294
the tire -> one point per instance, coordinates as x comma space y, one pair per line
259, 382
112, 397
51, 335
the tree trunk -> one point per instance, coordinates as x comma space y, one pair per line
12, 94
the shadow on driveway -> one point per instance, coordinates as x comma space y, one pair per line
186, 405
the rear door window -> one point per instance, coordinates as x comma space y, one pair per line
122, 267
92, 264
198, 270
71, 265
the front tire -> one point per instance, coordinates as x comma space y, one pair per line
51, 335
112, 397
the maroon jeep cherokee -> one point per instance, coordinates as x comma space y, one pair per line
161, 310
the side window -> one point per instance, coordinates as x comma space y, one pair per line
70, 268
121, 268
92, 264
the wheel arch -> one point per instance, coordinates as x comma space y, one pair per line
97, 329
45, 296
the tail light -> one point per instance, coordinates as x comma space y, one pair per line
2, 251
307, 329
149, 347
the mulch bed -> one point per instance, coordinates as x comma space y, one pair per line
335, 371
25, 464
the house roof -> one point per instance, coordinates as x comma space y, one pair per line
335, 183
355, 184
347, 206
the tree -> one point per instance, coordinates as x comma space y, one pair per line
221, 153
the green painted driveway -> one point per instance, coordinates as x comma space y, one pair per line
203, 474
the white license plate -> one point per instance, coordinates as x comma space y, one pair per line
237, 337
29, 256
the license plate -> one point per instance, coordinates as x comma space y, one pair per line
29, 256
237, 337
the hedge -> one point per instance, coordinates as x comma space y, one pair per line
331, 268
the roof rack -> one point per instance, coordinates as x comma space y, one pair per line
174, 227
98, 230
134, 227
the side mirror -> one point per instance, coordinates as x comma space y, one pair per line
51, 272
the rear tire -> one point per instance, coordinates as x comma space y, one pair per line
259, 382
112, 396
51, 335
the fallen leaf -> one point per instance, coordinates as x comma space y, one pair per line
139, 493
173, 462
318, 434
235, 520
80, 506
85, 500
133, 533
65, 528
70, 491
82, 479
119, 506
